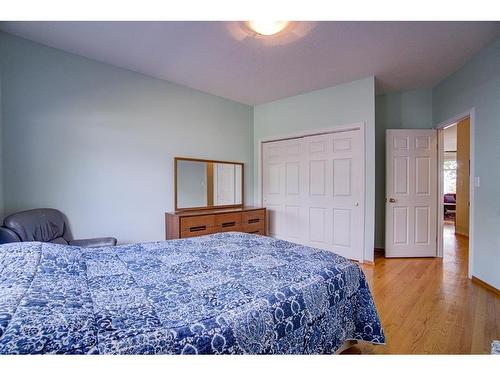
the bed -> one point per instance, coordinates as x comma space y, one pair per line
226, 293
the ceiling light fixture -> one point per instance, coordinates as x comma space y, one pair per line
267, 27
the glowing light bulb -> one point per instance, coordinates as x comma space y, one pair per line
267, 27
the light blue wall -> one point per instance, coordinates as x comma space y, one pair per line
398, 110
1, 153
477, 84
98, 141
349, 103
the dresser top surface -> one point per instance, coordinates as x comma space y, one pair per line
212, 211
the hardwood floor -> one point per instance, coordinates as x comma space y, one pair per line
429, 306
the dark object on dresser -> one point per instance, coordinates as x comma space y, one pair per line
197, 223
44, 225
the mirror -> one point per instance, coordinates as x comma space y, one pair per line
207, 184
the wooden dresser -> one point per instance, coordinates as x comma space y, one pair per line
197, 223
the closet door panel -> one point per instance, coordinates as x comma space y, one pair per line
313, 188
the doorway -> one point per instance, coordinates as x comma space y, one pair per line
415, 197
455, 149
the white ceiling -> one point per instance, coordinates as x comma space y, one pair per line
222, 58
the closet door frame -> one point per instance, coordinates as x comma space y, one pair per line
336, 129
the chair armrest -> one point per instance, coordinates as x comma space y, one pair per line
7, 236
94, 242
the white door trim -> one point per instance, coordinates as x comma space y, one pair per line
472, 114
306, 133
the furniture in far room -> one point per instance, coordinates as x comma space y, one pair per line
45, 225
450, 206
208, 198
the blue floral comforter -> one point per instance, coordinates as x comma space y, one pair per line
223, 293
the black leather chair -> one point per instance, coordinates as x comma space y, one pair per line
44, 225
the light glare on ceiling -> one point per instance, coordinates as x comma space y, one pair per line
267, 27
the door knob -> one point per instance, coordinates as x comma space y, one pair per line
356, 204
392, 200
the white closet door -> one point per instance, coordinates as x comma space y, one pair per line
348, 193
284, 191
314, 190
334, 204
319, 198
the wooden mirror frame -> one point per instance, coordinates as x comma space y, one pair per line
208, 207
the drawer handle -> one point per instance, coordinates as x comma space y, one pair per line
197, 229
229, 224
253, 221
255, 231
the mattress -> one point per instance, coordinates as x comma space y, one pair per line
226, 293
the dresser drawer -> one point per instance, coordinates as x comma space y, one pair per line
194, 233
253, 217
203, 222
253, 221
253, 231
197, 225
228, 222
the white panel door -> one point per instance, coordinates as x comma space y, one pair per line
318, 186
334, 201
411, 193
313, 188
283, 168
